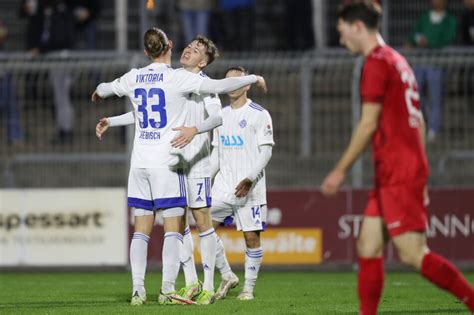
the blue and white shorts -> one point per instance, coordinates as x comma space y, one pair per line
156, 189
247, 218
199, 192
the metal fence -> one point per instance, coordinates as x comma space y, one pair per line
312, 99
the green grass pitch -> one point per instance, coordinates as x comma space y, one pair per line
276, 293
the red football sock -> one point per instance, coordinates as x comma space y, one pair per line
445, 275
370, 284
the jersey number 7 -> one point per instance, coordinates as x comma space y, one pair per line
160, 107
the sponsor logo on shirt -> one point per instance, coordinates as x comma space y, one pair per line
232, 141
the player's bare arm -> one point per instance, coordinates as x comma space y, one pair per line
422, 130
360, 138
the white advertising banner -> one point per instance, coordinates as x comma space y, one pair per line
63, 227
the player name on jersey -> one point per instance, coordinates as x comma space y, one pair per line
149, 135
149, 78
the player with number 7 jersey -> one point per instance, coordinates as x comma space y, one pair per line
158, 96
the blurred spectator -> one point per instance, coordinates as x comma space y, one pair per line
299, 24
3, 35
467, 23
51, 28
195, 17
86, 13
435, 28
467, 32
8, 104
238, 24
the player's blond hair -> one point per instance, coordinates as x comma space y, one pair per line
156, 42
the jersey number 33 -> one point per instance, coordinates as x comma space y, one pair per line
156, 98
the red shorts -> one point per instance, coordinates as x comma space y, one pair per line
400, 206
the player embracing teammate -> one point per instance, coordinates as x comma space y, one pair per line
159, 94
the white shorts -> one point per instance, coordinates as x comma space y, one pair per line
247, 218
199, 192
156, 188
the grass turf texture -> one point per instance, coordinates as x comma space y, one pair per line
276, 293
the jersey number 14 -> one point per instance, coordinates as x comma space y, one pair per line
150, 96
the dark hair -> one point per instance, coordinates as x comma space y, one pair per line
238, 68
211, 49
156, 42
368, 12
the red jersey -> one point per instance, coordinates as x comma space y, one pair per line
397, 149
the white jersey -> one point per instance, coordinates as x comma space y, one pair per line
243, 130
158, 95
197, 153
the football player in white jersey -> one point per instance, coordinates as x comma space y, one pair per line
158, 95
204, 114
242, 147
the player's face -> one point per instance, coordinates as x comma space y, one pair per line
194, 55
348, 35
237, 93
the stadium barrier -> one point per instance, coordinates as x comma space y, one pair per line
63, 227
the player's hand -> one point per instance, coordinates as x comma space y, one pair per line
332, 182
186, 136
243, 188
261, 83
95, 97
101, 127
426, 196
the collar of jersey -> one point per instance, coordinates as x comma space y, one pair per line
156, 65
245, 105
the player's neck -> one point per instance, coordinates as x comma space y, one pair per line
163, 59
239, 102
193, 69
373, 41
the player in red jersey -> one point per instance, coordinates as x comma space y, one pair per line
392, 119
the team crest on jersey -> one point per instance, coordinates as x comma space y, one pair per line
268, 130
243, 123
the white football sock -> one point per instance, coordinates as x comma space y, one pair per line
138, 259
253, 260
221, 260
208, 256
171, 260
187, 258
